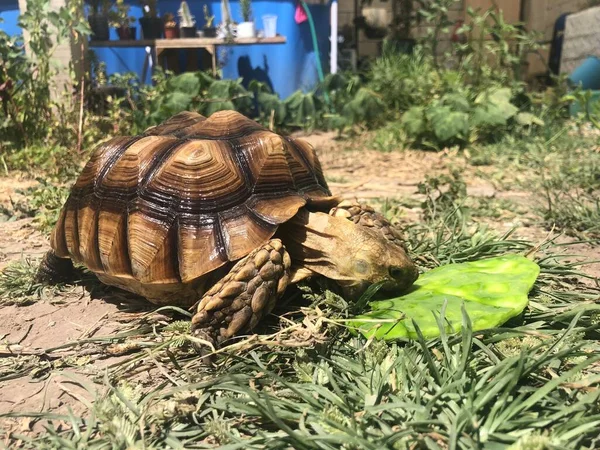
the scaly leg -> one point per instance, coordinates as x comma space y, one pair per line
364, 215
54, 269
245, 295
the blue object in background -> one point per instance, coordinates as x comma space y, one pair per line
9, 13
556, 45
587, 74
283, 67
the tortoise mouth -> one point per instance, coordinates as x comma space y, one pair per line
354, 290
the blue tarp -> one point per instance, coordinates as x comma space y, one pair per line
285, 67
9, 13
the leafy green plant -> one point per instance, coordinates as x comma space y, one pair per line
18, 285
28, 112
404, 80
47, 200
246, 8
454, 118
571, 209
120, 16
444, 194
303, 109
208, 19
271, 110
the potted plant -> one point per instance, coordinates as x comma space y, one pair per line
122, 21
151, 24
246, 29
210, 31
171, 30
98, 19
187, 24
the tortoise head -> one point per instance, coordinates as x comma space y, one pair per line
352, 255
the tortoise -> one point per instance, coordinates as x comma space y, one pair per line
220, 214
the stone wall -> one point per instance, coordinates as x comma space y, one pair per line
582, 39
540, 16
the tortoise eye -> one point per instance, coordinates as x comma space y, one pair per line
361, 266
397, 272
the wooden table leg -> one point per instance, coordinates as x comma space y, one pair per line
212, 49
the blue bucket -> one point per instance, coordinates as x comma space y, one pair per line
587, 75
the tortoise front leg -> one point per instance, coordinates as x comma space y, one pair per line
245, 295
365, 215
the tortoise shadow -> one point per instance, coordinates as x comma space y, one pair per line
125, 301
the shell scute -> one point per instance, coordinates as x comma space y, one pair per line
185, 197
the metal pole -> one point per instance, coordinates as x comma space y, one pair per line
333, 63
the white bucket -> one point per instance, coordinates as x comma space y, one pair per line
270, 25
246, 30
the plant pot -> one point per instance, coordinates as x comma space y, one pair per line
152, 27
246, 30
99, 26
188, 32
210, 32
126, 33
171, 33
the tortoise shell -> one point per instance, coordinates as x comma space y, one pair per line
185, 198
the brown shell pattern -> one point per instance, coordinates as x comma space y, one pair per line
185, 197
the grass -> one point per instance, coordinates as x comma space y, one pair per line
560, 168
42, 201
18, 285
311, 384
307, 382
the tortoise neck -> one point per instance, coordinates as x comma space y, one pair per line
313, 240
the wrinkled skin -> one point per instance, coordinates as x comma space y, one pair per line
312, 243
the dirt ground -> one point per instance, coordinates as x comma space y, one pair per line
352, 172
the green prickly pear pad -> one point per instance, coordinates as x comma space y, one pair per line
492, 291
